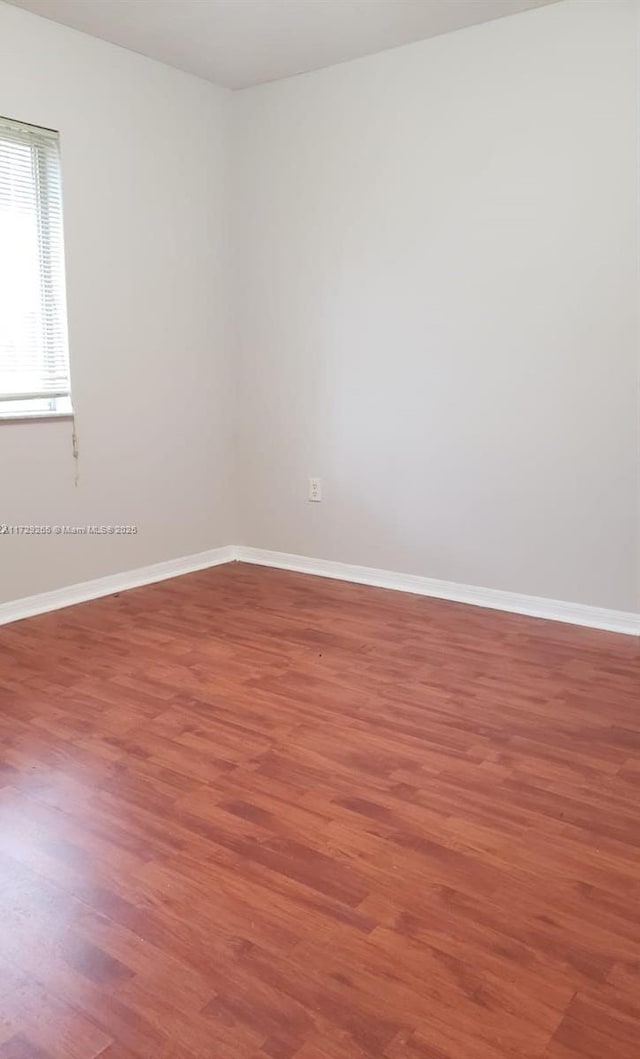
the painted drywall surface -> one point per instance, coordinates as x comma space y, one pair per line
144, 154
434, 284
437, 307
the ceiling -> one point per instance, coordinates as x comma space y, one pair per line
238, 43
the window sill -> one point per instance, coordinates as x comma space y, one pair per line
28, 417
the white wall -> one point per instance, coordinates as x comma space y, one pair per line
144, 152
437, 307
434, 282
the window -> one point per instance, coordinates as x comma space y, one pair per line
34, 362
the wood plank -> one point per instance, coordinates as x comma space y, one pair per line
249, 814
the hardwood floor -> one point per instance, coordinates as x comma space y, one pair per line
249, 814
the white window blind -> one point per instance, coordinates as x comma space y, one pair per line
34, 361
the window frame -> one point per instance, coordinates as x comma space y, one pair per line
12, 405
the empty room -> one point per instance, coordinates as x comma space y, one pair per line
319, 529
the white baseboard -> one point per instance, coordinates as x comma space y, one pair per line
106, 586
533, 606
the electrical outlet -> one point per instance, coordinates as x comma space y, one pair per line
315, 490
